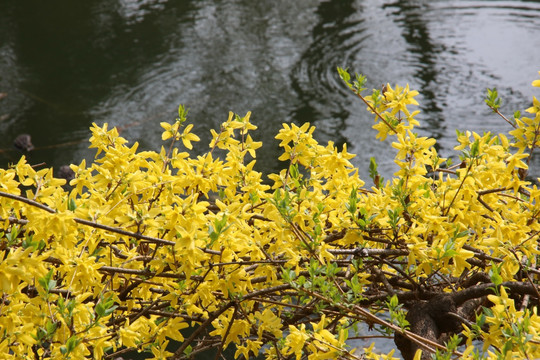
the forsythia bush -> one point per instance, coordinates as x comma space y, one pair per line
172, 255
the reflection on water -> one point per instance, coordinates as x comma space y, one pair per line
66, 64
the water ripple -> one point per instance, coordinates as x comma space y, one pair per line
337, 38
134, 61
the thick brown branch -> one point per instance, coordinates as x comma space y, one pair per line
481, 290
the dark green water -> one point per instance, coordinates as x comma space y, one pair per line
65, 64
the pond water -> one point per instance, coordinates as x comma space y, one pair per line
65, 64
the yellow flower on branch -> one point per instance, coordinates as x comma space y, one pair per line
171, 130
397, 99
296, 340
187, 137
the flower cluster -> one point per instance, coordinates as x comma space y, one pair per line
172, 254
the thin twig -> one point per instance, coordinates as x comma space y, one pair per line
377, 113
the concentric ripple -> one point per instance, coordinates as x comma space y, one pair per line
449, 50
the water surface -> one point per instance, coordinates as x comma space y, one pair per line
130, 63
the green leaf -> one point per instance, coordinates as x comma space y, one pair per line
46, 282
344, 75
288, 275
213, 236
100, 310
394, 302
72, 343
51, 327
494, 274
475, 149
182, 114
460, 234
351, 205
293, 171
72, 206
373, 168
359, 83
492, 99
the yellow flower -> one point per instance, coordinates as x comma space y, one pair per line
399, 98
170, 130
8, 183
187, 137
535, 109
536, 83
296, 340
